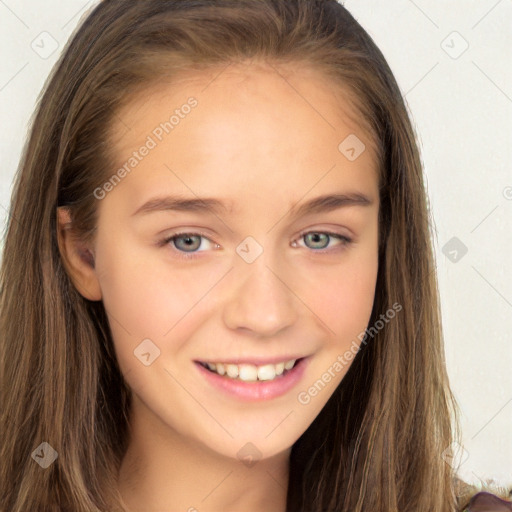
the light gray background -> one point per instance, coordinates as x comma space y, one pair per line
460, 100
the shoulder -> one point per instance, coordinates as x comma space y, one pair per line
487, 499
484, 501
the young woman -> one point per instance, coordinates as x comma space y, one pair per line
218, 290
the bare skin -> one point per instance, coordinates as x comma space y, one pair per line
264, 147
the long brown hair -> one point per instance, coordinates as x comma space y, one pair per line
379, 442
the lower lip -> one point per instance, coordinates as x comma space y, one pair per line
255, 391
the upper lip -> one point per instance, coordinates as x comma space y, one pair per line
256, 361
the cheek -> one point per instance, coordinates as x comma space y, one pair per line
147, 295
342, 296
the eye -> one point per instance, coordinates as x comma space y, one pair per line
187, 244
184, 241
314, 239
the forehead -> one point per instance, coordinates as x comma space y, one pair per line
260, 83
255, 129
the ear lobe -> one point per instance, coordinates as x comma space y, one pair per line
78, 260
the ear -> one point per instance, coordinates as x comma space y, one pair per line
78, 260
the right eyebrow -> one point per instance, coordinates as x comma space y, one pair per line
177, 203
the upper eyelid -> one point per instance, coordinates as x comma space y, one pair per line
330, 232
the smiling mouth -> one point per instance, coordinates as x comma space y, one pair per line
251, 372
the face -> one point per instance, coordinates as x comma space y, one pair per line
254, 276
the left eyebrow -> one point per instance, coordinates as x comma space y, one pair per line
331, 202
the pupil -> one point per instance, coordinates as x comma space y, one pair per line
316, 236
188, 240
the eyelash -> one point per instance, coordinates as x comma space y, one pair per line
345, 241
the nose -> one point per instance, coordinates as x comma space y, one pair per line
261, 299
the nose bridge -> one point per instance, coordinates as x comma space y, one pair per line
260, 299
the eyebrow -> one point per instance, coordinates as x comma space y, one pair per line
321, 204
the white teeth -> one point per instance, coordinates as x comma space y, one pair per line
289, 364
232, 370
267, 372
250, 372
